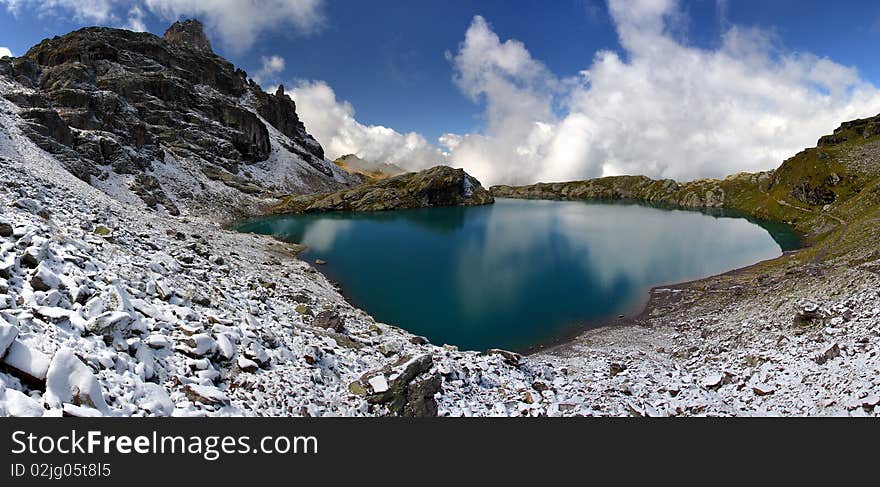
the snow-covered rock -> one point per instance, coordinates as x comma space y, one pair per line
27, 363
69, 381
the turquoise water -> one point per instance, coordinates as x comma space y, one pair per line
519, 273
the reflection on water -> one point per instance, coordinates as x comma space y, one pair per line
519, 273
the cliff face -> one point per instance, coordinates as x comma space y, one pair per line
438, 186
163, 120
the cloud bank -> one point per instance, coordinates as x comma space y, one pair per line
270, 68
659, 108
333, 123
237, 23
4, 51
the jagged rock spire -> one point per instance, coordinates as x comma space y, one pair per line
190, 32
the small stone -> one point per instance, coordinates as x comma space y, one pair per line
616, 368
69, 381
44, 279
357, 388
247, 365
6, 230
763, 389
828, 353
418, 340
871, 401
313, 355
378, 384
26, 363
391, 347
712, 381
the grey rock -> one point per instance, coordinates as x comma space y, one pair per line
329, 320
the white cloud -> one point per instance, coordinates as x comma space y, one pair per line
100, 11
5, 51
237, 23
136, 20
332, 122
664, 109
270, 68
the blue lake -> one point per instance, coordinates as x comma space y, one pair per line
519, 273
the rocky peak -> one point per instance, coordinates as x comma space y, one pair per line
189, 32
165, 118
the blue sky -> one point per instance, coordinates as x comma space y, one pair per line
394, 61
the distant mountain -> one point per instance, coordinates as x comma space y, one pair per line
164, 122
369, 171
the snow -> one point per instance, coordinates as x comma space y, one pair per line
34, 364
69, 381
8, 334
379, 384
16, 404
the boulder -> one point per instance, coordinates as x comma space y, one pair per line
16, 404
421, 402
510, 358
207, 395
329, 320
807, 312
406, 387
8, 334
199, 345
616, 368
44, 279
28, 364
69, 381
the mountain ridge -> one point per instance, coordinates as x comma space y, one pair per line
164, 122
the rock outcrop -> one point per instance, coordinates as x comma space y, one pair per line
164, 121
190, 32
438, 186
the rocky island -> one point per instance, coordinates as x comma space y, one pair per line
438, 186
123, 154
